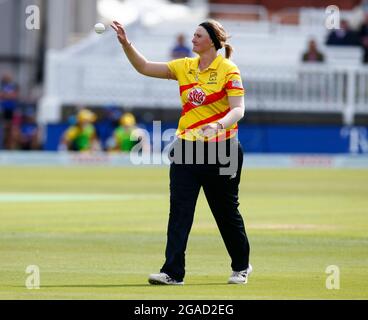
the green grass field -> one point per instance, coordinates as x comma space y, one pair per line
96, 233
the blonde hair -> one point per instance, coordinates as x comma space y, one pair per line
222, 36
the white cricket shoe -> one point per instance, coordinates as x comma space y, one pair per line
163, 278
240, 277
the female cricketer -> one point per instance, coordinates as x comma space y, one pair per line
212, 96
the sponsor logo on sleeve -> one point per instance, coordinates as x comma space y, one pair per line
236, 84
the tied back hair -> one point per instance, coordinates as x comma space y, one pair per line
228, 50
222, 36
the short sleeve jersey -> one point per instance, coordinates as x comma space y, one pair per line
204, 94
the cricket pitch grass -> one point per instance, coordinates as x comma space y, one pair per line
97, 233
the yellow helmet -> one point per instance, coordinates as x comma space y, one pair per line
127, 119
86, 115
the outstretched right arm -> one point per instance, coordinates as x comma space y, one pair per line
138, 61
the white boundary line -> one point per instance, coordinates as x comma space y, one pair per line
70, 159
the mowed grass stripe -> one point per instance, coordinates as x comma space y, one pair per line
71, 197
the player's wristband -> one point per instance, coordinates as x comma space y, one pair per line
128, 44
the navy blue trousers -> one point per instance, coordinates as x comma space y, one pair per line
221, 192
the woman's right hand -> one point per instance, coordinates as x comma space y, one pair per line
139, 62
122, 37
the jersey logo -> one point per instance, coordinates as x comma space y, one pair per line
196, 96
237, 84
213, 76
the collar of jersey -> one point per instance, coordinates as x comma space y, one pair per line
214, 65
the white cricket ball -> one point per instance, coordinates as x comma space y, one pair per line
100, 28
